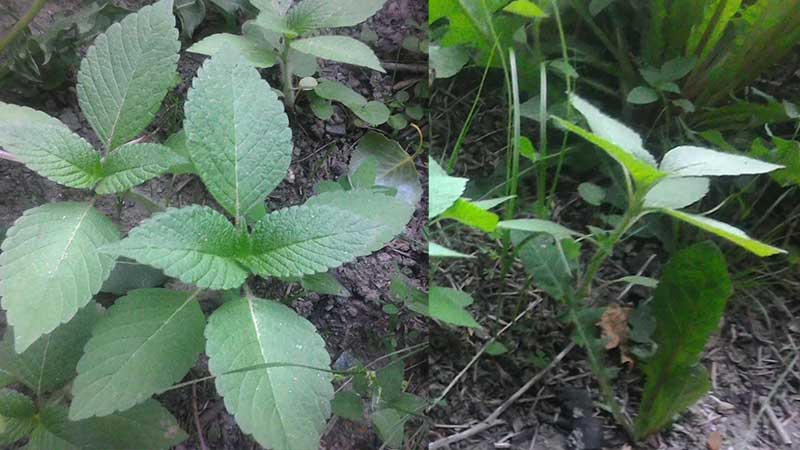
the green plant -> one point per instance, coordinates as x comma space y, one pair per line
551, 254
282, 34
268, 362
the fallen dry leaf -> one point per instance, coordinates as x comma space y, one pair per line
715, 441
614, 324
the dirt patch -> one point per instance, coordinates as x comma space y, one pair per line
355, 327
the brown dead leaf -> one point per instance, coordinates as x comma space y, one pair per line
614, 324
715, 441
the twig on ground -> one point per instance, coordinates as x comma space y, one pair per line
493, 418
401, 67
785, 438
197, 423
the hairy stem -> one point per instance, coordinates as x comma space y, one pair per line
286, 76
22, 24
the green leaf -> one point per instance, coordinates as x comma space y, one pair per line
320, 107
437, 251
396, 167
10, 113
127, 72
676, 192
133, 164
147, 425
302, 240
391, 212
50, 266
147, 328
527, 150
592, 193
339, 48
191, 14
677, 68
390, 425
445, 62
726, 231
13, 429
550, 262
641, 171
449, 305
538, 226
525, 8
688, 304
491, 202
53, 151
312, 14
691, 161
348, 405
642, 95
263, 355
496, 348
613, 131
275, 23
129, 275
324, 283
194, 244
238, 134
373, 112
471, 215
50, 362
255, 53
177, 143
444, 190
15, 405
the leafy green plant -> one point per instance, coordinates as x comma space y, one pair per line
269, 363
691, 296
283, 34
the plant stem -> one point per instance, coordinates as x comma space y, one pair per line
22, 24
286, 76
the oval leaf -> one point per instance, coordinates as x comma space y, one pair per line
395, 169
250, 341
691, 161
339, 48
255, 53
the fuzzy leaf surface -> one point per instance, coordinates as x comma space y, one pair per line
237, 132
195, 244
688, 304
147, 341
450, 306
127, 72
302, 240
256, 54
50, 266
339, 48
50, 362
691, 161
53, 151
391, 212
283, 407
312, 14
133, 164
676, 192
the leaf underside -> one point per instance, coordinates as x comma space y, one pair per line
284, 408
50, 266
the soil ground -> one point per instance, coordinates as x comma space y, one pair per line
354, 327
747, 360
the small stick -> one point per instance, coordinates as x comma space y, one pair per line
400, 67
493, 418
785, 438
8, 156
196, 415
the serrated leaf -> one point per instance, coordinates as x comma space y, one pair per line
148, 425
15, 113
255, 53
538, 226
283, 407
50, 362
15, 405
688, 304
396, 167
438, 251
53, 151
304, 239
313, 14
147, 328
676, 192
50, 266
391, 212
342, 49
348, 405
471, 215
238, 134
726, 231
691, 161
444, 190
194, 244
550, 262
613, 131
449, 305
129, 275
127, 72
133, 164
